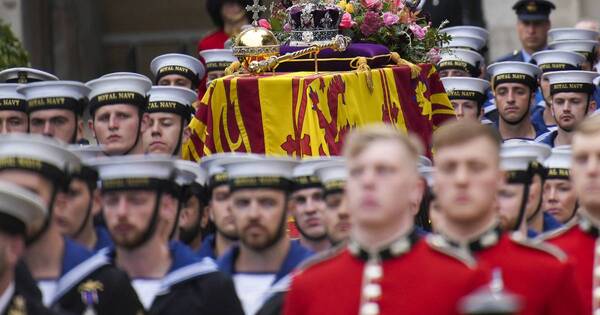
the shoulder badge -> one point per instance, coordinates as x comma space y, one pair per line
18, 306
557, 232
439, 243
522, 240
321, 257
89, 295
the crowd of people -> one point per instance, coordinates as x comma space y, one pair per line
503, 219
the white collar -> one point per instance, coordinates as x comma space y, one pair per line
6, 297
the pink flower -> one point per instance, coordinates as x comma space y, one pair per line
418, 30
264, 23
434, 55
374, 5
347, 21
390, 19
287, 27
371, 23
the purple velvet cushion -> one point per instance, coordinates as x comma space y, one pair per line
330, 60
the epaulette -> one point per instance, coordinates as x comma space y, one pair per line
557, 232
321, 257
439, 243
554, 251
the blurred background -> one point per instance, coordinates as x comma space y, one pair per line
82, 39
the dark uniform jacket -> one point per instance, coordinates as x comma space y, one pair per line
22, 303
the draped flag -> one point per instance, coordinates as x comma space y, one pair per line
306, 114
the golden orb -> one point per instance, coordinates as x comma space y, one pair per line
255, 44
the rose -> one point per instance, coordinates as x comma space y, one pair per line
371, 24
390, 19
374, 5
418, 30
347, 21
264, 23
287, 27
434, 56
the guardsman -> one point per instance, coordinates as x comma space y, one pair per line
138, 203
579, 238
550, 61
571, 93
514, 85
467, 96
533, 23
71, 278
168, 114
55, 109
559, 196
466, 180
117, 103
385, 264
21, 211
261, 263
13, 109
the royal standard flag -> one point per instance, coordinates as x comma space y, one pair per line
307, 114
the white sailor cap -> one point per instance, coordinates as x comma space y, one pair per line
87, 152
516, 161
467, 30
558, 164
46, 156
20, 209
119, 89
218, 59
131, 74
514, 72
69, 95
467, 42
264, 172
461, 59
171, 99
25, 75
184, 65
333, 175
189, 172
572, 81
520, 146
584, 47
466, 88
427, 173
10, 99
304, 173
597, 81
571, 33
558, 60
136, 172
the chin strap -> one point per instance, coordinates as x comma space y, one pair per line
36, 236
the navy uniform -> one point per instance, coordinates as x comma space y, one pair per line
269, 173
565, 82
516, 72
528, 11
85, 281
191, 285
20, 209
550, 61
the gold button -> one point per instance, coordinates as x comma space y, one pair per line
372, 291
369, 309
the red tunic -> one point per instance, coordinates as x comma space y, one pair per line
535, 273
580, 246
214, 40
425, 280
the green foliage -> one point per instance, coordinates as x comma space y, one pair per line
12, 53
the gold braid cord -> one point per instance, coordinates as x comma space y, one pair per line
362, 66
233, 68
339, 43
414, 69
